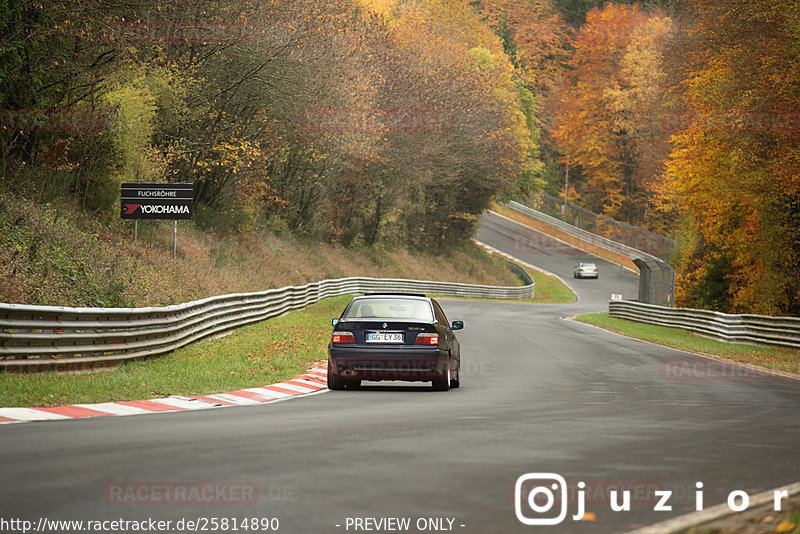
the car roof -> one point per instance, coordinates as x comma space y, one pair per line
399, 295
391, 296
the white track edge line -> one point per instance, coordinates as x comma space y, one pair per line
526, 264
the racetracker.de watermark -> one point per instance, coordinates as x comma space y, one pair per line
181, 32
390, 370
700, 369
601, 491
181, 493
202, 244
56, 364
532, 241
734, 122
377, 121
65, 120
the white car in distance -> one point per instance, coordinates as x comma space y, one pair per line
585, 270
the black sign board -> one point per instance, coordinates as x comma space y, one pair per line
157, 201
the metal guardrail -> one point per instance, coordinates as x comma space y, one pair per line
756, 329
598, 224
657, 280
583, 235
39, 338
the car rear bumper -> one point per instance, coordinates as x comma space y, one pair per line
408, 363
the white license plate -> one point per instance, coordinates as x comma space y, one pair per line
384, 337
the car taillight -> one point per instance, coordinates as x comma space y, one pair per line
427, 339
343, 337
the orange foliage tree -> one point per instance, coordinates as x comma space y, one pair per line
607, 119
735, 170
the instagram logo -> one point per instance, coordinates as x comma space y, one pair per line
542, 492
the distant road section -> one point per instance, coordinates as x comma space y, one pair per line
559, 258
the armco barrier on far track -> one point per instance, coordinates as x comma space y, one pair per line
756, 329
40, 338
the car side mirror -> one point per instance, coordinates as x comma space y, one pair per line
458, 325
334, 322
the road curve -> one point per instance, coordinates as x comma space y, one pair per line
539, 394
559, 258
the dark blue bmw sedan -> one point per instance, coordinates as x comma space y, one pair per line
392, 336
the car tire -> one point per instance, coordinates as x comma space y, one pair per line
335, 382
455, 383
442, 384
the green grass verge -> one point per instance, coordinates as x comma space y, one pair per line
257, 355
678, 338
549, 289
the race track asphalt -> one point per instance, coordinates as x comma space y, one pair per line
540, 394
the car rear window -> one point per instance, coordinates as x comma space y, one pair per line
417, 310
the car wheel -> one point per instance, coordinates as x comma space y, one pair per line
443, 384
456, 382
335, 382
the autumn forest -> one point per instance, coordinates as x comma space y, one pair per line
398, 122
